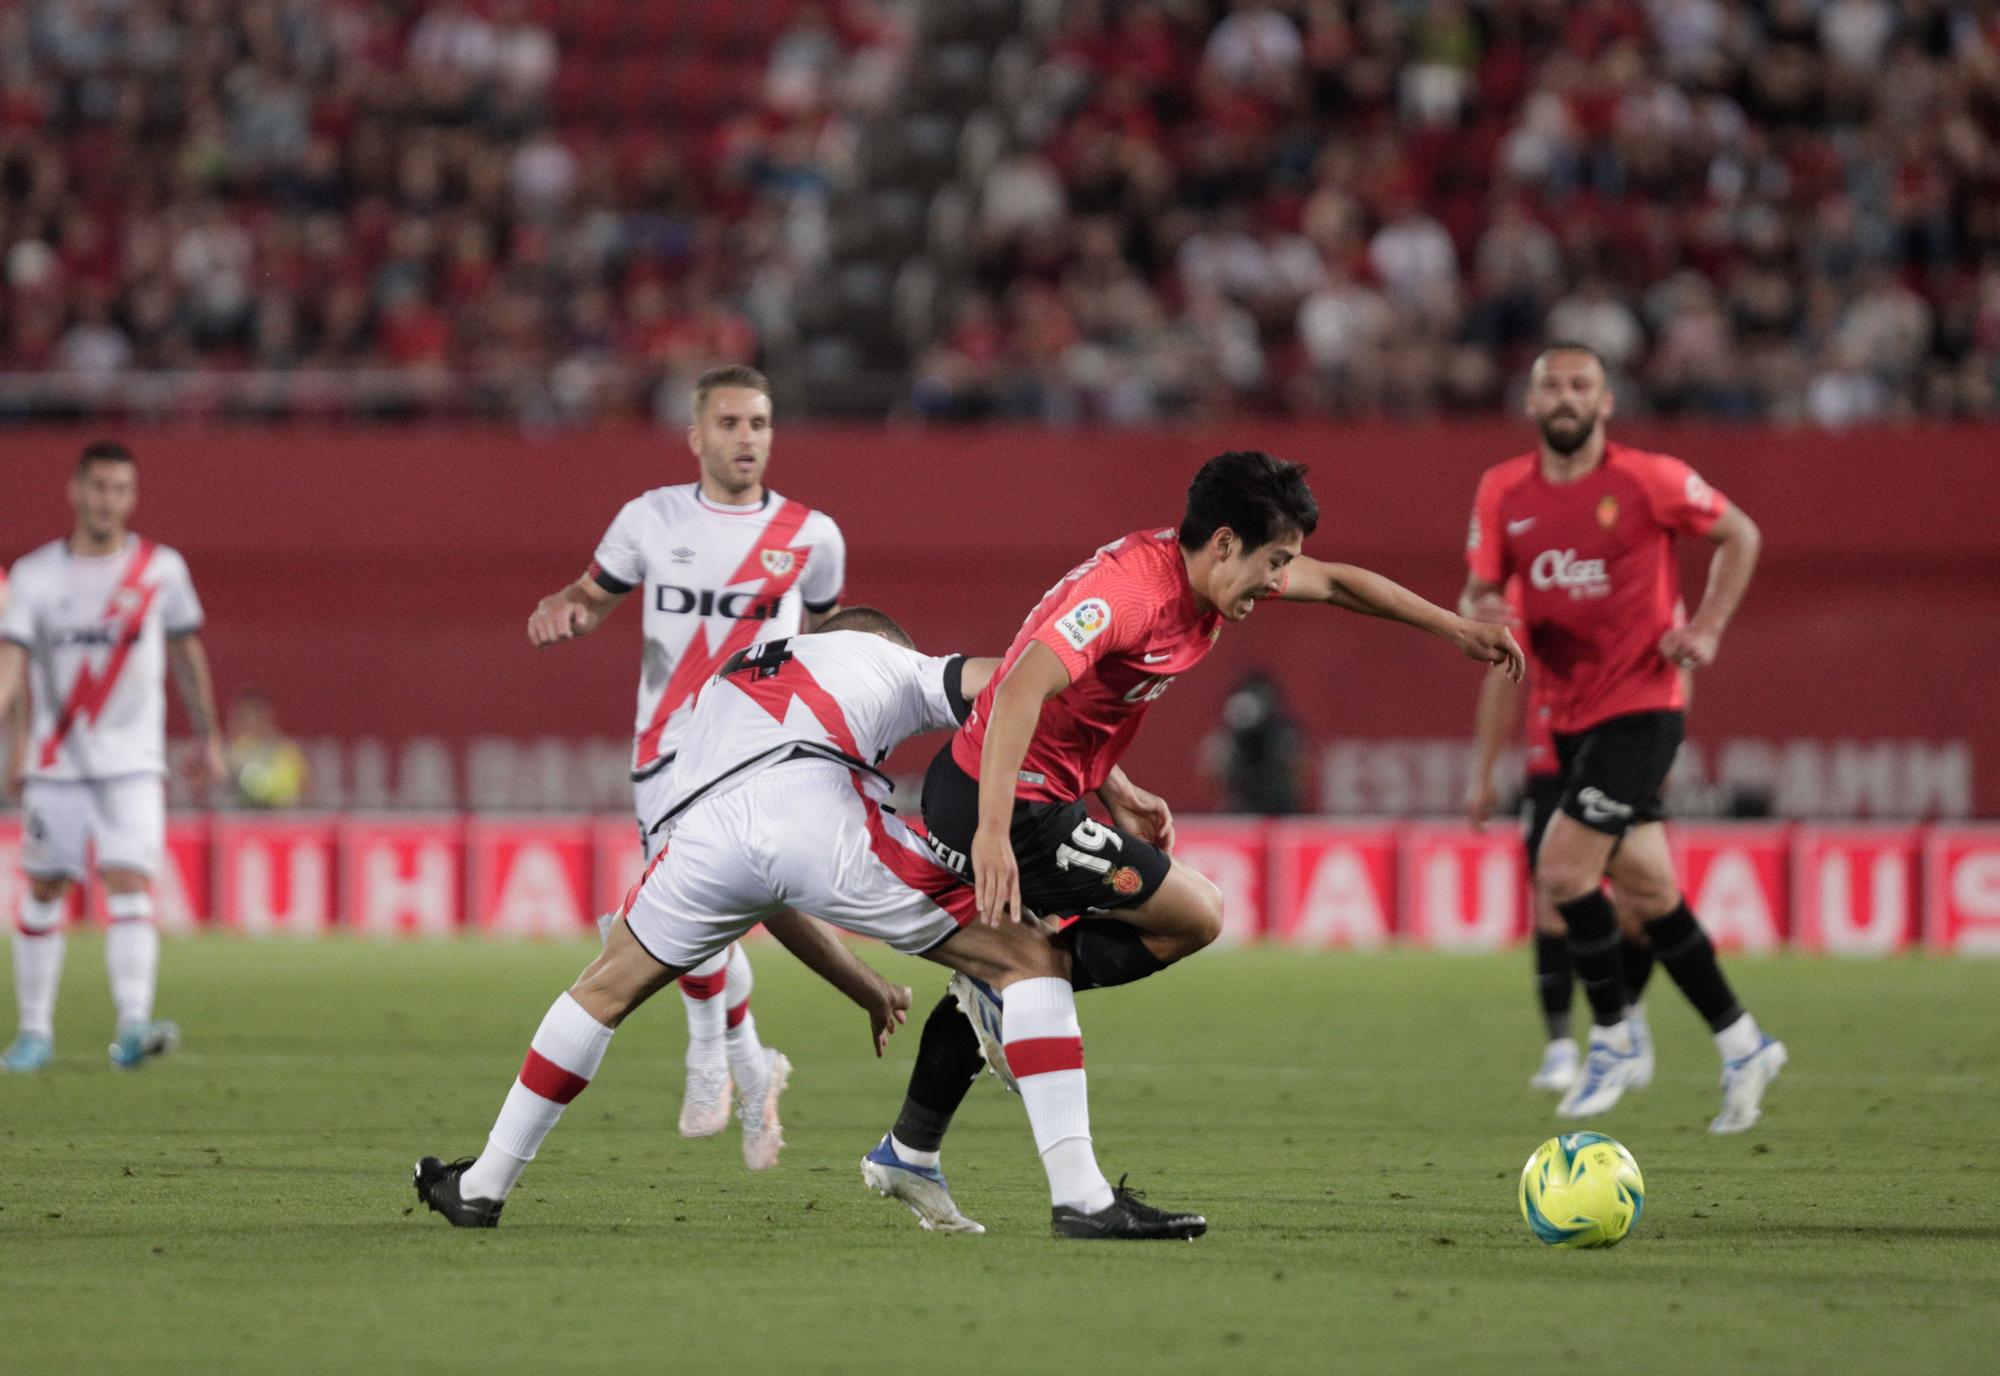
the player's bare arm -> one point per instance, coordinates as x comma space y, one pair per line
13, 714
1493, 720
577, 610
1358, 590
1036, 677
1143, 813
974, 675
822, 951
196, 685
1737, 544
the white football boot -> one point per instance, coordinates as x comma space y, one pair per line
1642, 1046
1607, 1073
920, 1189
1560, 1064
705, 1101
762, 1134
1743, 1084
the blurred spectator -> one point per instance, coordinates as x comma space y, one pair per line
1258, 751
266, 768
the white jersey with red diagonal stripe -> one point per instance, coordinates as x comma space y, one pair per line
715, 579
95, 630
846, 693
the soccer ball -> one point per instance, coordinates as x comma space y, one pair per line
1581, 1189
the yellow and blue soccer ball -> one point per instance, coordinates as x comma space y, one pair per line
1582, 1189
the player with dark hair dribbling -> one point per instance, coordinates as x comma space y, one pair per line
1004, 802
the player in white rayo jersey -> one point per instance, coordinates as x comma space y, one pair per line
720, 564
92, 623
775, 805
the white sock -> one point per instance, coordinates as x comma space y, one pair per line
1045, 1051
701, 995
746, 1053
132, 956
1617, 1035
1739, 1039
912, 1155
38, 959
561, 1060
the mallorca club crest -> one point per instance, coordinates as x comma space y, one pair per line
779, 562
1124, 881
1607, 511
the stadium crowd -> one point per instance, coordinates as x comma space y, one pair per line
1772, 209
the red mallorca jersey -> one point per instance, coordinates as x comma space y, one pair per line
1124, 623
1599, 584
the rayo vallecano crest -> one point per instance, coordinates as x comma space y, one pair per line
779, 562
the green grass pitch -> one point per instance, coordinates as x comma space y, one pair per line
1352, 1125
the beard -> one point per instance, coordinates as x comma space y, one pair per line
1566, 434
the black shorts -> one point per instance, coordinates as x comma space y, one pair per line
1615, 773
1539, 802
1070, 862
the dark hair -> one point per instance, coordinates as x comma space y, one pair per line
1572, 346
1260, 498
729, 375
871, 621
104, 451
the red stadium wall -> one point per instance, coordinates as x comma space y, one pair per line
376, 582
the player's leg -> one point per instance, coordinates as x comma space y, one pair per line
1555, 976
705, 1091
1635, 963
751, 1063
55, 832
669, 925
131, 827
1751, 1058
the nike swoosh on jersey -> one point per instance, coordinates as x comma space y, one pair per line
1520, 527
1159, 658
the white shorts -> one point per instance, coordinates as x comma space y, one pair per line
125, 817
649, 804
797, 835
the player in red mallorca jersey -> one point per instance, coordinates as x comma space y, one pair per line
1589, 527
1004, 802
1494, 721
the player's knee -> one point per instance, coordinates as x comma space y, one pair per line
616, 983
1646, 899
1201, 919
1560, 880
1548, 922
48, 890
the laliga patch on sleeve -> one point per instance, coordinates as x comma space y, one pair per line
1084, 622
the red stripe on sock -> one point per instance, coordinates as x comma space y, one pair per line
25, 930
544, 1077
1041, 1055
739, 1012
704, 986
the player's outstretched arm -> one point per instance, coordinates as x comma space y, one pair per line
1737, 545
189, 662
1036, 677
577, 610
974, 675
823, 952
1357, 590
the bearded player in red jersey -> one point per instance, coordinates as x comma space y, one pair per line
1589, 526
1004, 801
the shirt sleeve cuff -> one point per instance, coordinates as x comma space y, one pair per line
188, 629
954, 688
821, 608
616, 586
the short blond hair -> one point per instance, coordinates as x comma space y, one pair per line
729, 375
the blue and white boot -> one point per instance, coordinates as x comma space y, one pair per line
140, 1042
1608, 1068
921, 1189
30, 1052
980, 1002
1642, 1047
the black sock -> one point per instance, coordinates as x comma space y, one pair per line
1593, 940
1555, 982
948, 1061
1684, 948
1104, 952
1637, 958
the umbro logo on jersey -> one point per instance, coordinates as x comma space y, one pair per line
683, 555
1560, 568
1522, 526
